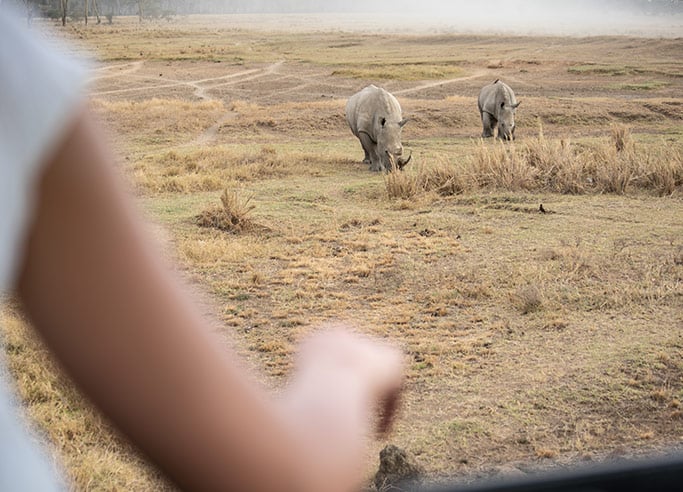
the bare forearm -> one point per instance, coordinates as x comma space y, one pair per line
126, 333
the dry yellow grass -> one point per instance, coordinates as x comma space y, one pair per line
234, 214
93, 455
610, 165
530, 337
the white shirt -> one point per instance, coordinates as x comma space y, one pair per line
40, 91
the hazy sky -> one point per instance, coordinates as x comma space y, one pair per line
517, 16
533, 14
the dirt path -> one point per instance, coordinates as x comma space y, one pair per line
122, 69
439, 83
198, 85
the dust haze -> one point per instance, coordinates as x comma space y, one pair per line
660, 18
578, 17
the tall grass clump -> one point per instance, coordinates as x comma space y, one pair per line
402, 184
502, 166
446, 178
441, 177
616, 164
233, 215
558, 168
663, 171
620, 164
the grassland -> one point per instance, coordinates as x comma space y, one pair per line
532, 339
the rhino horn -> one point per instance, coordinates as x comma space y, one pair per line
403, 122
402, 162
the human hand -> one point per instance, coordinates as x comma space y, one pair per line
342, 384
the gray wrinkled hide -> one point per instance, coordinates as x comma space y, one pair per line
375, 119
497, 105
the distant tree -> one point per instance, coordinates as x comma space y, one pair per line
65, 5
96, 10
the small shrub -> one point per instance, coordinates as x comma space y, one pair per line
401, 185
233, 216
528, 299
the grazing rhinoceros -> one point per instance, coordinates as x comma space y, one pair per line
375, 118
497, 105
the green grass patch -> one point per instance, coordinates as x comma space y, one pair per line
400, 72
596, 69
642, 86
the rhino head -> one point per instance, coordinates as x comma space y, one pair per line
506, 120
389, 147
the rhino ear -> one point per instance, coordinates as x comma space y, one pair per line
403, 122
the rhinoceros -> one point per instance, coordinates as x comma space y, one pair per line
374, 116
497, 105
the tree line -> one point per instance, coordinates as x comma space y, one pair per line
107, 10
100, 10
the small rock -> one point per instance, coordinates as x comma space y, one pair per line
398, 471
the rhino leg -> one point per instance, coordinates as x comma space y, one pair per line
489, 123
376, 163
370, 149
366, 159
365, 142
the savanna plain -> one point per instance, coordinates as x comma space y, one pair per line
535, 287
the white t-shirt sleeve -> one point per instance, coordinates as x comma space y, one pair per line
40, 91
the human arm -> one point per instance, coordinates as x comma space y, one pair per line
125, 330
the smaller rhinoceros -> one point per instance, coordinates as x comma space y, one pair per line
374, 116
497, 105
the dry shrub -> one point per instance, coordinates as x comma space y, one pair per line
233, 216
614, 165
620, 164
528, 299
612, 171
660, 170
558, 167
444, 178
621, 137
503, 166
401, 184
440, 177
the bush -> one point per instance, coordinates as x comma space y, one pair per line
234, 214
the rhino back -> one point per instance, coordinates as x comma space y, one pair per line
492, 95
364, 106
